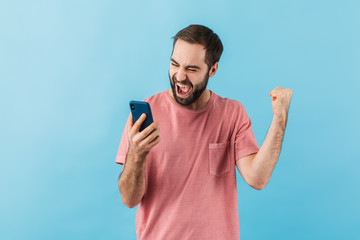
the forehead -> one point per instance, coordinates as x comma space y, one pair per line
188, 53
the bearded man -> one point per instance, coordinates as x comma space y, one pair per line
183, 178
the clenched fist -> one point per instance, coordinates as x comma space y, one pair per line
281, 98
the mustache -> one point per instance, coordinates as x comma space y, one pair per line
184, 82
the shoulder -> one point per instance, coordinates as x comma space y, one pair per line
227, 103
159, 97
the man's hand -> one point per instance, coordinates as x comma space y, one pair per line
140, 143
281, 98
132, 180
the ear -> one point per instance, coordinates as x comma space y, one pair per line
213, 69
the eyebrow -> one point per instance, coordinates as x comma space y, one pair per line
189, 66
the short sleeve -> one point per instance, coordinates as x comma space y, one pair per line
245, 142
124, 145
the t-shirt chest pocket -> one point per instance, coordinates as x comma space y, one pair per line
219, 158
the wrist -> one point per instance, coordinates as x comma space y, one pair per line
137, 157
280, 120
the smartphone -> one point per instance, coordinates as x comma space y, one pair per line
139, 107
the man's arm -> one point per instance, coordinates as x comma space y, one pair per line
132, 179
256, 169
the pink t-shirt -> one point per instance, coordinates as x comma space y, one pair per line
190, 175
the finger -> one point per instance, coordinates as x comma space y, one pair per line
130, 123
155, 141
138, 123
145, 142
149, 129
149, 138
273, 94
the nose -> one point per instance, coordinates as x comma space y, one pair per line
180, 75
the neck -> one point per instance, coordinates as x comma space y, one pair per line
200, 103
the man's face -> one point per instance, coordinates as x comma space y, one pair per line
189, 74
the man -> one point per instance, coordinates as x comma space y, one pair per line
184, 177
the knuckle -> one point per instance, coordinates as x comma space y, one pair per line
136, 141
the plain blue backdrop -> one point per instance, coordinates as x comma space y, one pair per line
69, 68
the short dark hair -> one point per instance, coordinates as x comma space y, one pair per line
205, 36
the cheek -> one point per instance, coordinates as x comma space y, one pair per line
198, 78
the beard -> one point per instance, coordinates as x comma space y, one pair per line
196, 90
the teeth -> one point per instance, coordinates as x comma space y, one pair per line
182, 86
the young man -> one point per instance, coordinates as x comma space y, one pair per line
184, 177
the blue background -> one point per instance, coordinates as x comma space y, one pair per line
69, 68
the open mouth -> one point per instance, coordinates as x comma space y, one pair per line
183, 90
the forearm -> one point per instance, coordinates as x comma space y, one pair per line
268, 155
132, 180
